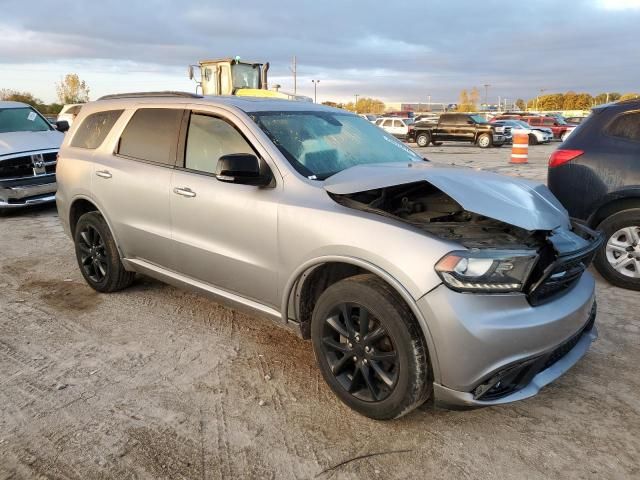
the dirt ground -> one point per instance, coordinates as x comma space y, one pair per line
156, 382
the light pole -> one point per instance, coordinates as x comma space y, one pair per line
315, 90
355, 105
486, 94
538, 97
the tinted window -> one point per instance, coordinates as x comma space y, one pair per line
208, 139
94, 129
152, 135
22, 120
625, 126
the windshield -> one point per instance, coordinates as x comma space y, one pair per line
22, 120
319, 144
478, 119
245, 75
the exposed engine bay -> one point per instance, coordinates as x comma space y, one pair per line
426, 207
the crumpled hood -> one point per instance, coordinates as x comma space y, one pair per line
519, 202
17, 142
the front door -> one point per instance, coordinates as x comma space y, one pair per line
225, 234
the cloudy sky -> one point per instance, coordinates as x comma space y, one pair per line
397, 51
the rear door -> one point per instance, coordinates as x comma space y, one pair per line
225, 234
132, 183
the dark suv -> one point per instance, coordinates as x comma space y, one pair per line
460, 127
596, 175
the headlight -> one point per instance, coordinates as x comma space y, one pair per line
488, 271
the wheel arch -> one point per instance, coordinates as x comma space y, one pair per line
615, 203
315, 276
81, 205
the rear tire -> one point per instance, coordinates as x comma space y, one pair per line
618, 260
423, 139
98, 256
484, 140
369, 348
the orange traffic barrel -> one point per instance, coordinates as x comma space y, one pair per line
520, 149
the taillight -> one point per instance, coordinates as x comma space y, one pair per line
560, 157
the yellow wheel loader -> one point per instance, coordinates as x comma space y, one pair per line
231, 76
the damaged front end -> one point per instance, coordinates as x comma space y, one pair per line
498, 257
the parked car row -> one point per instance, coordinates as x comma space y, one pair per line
560, 128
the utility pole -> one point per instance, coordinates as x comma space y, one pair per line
355, 105
294, 70
486, 94
315, 90
429, 103
538, 97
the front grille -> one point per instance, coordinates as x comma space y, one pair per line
28, 165
518, 376
554, 277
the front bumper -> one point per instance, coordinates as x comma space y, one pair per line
479, 337
20, 194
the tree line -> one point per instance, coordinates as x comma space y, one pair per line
70, 89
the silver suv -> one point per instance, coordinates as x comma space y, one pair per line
412, 280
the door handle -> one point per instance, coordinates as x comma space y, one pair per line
184, 191
103, 173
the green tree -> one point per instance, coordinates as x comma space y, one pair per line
71, 89
521, 104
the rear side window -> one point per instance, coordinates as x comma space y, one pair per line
626, 125
152, 135
74, 110
94, 129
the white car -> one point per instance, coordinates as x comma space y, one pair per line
69, 112
369, 116
536, 134
28, 149
396, 126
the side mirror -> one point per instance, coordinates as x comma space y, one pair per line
62, 126
242, 168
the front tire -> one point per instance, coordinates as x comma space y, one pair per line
98, 256
618, 260
369, 349
423, 139
484, 140
533, 140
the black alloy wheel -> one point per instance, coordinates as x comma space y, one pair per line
93, 255
360, 352
370, 348
98, 256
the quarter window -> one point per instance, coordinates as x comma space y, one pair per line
625, 126
152, 135
94, 129
208, 139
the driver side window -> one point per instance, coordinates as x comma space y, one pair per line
208, 139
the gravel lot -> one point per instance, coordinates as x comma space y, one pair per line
156, 382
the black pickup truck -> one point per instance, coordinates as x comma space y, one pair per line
460, 127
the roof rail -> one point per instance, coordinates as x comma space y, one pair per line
150, 95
